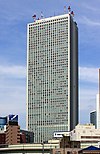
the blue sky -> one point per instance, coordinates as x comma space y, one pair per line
14, 17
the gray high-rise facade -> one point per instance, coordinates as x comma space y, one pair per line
93, 118
52, 76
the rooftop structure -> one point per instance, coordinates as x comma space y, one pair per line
86, 134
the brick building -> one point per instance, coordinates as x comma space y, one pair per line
12, 133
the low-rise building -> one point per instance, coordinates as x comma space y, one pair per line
12, 130
26, 136
2, 135
12, 133
65, 151
86, 134
65, 142
90, 150
2, 138
3, 122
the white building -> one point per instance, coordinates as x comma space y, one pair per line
60, 134
86, 134
98, 111
98, 103
52, 76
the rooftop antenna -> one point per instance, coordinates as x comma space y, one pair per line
72, 13
34, 17
64, 9
42, 16
69, 9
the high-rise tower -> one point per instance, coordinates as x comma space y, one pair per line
52, 76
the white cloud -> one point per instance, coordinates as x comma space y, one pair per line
88, 74
12, 100
13, 71
89, 22
87, 97
91, 8
87, 102
87, 92
13, 91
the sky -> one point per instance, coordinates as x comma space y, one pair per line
14, 17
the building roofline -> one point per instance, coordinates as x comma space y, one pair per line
50, 18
